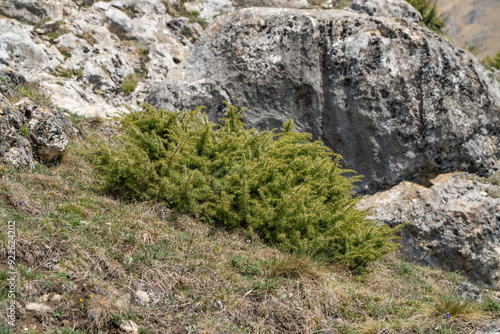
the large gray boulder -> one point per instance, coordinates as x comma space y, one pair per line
454, 224
32, 11
396, 9
18, 50
393, 98
85, 53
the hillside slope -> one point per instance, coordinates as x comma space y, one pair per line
474, 22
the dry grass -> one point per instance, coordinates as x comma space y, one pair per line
97, 252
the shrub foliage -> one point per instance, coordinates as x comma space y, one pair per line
285, 187
431, 17
493, 62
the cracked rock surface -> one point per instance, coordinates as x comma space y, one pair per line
394, 99
454, 224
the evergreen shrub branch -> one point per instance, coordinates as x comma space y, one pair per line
285, 187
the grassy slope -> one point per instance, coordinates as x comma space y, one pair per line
96, 251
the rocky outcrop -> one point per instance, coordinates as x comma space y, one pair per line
28, 132
396, 9
453, 224
395, 99
209, 9
83, 55
32, 11
18, 50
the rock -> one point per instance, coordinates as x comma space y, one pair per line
491, 328
52, 297
469, 291
394, 99
29, 132
18, 50
218, 305
122, 302
82, 63
271, 3
32, 11
129, 326
118, 22
396, 9
142, 296
46, 133
209, 9
37, 307
451, 225
56, 298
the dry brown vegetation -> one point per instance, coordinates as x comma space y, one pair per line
96, 252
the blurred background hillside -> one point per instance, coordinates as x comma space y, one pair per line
474, 23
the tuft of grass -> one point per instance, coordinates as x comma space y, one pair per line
451, 305
67, 72
297, 266
177, 9
24, 131
87, 36
130, 83
41, 22
490, 304
32, 91
59, 30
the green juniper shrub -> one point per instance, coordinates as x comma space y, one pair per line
433, 19
289, 190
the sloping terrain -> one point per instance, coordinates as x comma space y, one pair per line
474, 23
89, 263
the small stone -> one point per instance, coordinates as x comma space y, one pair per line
142, 296
44, 298
129, 326
218, 305
122, 302
56, 298
37, 307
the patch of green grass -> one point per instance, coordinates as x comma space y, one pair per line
4, 329
177, 9
130, 83
59, 31
41, 22
129, 11
67, 72
455, 306
24, 131
32, 91
490, 304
